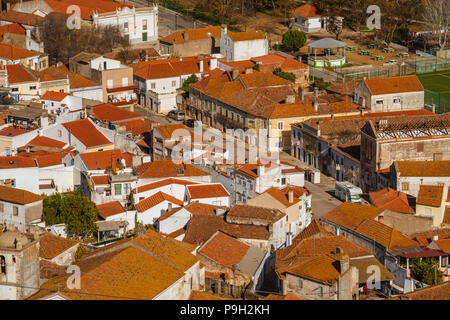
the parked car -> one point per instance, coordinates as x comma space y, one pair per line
176, 114
191, 123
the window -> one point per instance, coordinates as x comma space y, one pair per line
109, 84
127, 188
32, 87
174, 83
280, 125
125, 26
124, 82
283, 181
59, 133
118, 189
2, 264
15, 89
144, 24
420, 147
379, 101
153, 85
15, 211
320, 292
2, 207
405, 186
300, 283
397, 100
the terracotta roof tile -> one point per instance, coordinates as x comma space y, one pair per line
13, 28
193, 34
52, 245
100, 180
253, 212
387, 236
200, 191
16, 162
288, 296
42, 141
100, 160
110, 113
391, 85
86, 133
54, 96
106, 210
168, 130
307, 10
446, 219
155, 199
351, 215
167, 169
200, 227
18, 196
281, 197
443, 244
436, 292
47, 159
50, 269
430, 195
11, 131
194, 208
224, 249
312, 230
10, 52
21, 17
201, 295
246, 35
423, 168
391, 199
17, 73
162, 183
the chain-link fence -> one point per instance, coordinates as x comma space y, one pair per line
440, 100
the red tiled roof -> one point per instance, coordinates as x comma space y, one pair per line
110, 209
224, 249
12, 131
391, 85
246, 35
162, 183
54, 96
168, 130
42, 141
52, 245
86, 133
387, 236
155, 199
446, 219
17, 73
435, 292
19, 196
110, 113
423, 168
167, 168
21, 17
10, 162
430, 195
285, 63
100, 180
308, 10
253, 212
100, 160
391, 199
193, 34
200, 191
444, 245
13, 28
45, 159
167, 68
10, 52
351, 215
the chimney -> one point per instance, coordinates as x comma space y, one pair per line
316, 106
224, 28
169, 206
332, 116
290, 98
28, 33
219, 212
260, 170
200, 65
291, 195
234, 73
433, 108
8, 6
301, 94
316, 92
435, 237
19, 244
248, 70
213, 64
186, 35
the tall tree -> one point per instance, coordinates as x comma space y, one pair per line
436, 14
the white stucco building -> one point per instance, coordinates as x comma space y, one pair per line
236, 46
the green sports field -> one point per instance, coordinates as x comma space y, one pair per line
437, 89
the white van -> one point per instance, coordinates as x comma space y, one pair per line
345, 191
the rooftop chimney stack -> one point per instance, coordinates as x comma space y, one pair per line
200, 65
220, 212
234, 73
186, 35
316, 106
169, 206
291, 196
224, 28
260, 169
290, 98
316, 92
